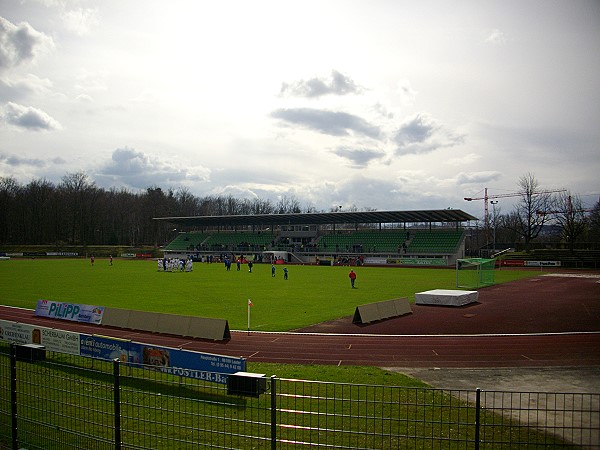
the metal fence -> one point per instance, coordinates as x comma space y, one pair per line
66, 401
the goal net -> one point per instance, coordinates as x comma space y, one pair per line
474, 272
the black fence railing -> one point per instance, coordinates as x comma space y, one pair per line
69, 402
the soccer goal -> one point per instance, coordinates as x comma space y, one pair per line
474, 272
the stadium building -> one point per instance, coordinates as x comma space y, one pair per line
413, 238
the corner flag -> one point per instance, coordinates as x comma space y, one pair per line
249, 306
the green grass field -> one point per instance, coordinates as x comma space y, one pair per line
312, 294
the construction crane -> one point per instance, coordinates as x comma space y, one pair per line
569, 212
487, 197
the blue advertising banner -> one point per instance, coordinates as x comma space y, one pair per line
185, 363
200, 366
75, 312
103, 347
174, 361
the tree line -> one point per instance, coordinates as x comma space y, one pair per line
77, 212
556, 216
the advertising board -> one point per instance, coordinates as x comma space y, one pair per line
75, 312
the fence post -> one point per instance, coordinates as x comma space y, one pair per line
13, 395
273, 412
477, 416
117, 404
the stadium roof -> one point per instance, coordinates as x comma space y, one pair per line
330, 218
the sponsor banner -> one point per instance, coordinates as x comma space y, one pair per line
208, 362
54, 340
57, 340
378, 261
200, 366
17, 333
542, 263
103, 347
185, 363
407, 261
127, 255
41, 254
419, 261
75, 312
213, 377
512, 262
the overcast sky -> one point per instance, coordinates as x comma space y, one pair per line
390, 105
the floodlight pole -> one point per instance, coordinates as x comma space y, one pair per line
494, 203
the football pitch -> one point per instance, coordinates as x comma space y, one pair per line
310, 295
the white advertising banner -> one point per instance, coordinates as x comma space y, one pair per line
75, 312
542, 263
17, 333
60, 341
54, 340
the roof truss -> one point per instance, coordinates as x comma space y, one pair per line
332, 218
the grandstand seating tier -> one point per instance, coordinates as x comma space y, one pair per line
406, 241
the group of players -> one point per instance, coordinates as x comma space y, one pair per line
175, 265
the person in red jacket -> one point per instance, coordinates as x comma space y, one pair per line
352, 276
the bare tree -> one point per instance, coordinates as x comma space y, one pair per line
80, 198
9, 190
505, 230
288, 205
525, 219
38, 217
570, 215
187, 203
594, 223
258, 206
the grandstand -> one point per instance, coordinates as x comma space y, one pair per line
425, 238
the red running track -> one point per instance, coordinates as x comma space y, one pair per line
548, 321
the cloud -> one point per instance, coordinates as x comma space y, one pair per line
86, 81
58, 160
359, 157
478, 178
29, 118
383, 111
462, 160
135, 169
20, 43
238, 192
534, 143
496, 37
337, 84
15, 161
423, 134
10, 90
328, 122
381, 194
81, 21
405, 92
